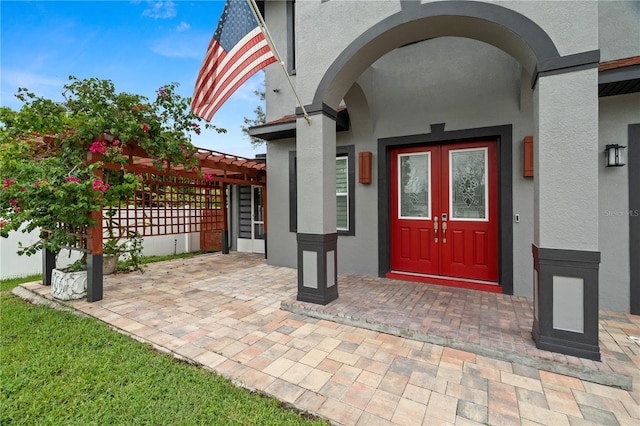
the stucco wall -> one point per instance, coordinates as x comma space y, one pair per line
465, 84
616, 113
488, 88
570, 24
281, 244
619, 29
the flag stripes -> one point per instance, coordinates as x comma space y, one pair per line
223, 71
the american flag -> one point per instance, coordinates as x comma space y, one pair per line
237, 50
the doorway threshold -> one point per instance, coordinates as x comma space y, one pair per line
488, 286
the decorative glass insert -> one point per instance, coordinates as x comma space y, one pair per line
258, 213
468, 184
342, 193
414, 192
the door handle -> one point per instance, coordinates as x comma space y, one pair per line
435, 228
444, 228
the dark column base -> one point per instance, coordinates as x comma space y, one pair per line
566, 301
94, 277
317, 268
225, 242
48, 265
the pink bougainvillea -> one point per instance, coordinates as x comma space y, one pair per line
99, 185
98, 146
145, 127
8, 183
71, 179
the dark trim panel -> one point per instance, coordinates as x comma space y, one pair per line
94, 277
291, 37
286, 127
326, 287
293, 192
48, 265
566, 263
634, 217
564, 64
503, 134
317, 108
631, 72
341, 150
274, 131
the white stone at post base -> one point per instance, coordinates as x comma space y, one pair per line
68, 285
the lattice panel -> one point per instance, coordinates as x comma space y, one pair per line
167, 205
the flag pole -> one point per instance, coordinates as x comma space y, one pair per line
267, 36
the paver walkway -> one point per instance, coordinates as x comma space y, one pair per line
457, 356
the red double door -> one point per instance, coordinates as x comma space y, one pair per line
444, 210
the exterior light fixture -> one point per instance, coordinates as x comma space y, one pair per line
615, 155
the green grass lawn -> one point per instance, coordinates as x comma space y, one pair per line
60, 368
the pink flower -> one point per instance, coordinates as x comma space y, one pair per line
8, 183
162, 92
208, 177
116, 142
22, 188
99, 185
71, 179
98, 146
14, 202
145, 127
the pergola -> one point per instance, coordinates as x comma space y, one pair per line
171, 200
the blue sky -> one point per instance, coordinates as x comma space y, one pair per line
139, 45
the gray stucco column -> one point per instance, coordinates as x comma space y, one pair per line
316, 197
565, 249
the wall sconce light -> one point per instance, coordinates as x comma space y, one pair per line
615, 155
364, 167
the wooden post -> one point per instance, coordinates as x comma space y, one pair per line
225, 227
94, 245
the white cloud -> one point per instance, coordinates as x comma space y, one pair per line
18, 78
40, 84
183, 26
160, 10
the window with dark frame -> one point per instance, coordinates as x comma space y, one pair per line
345, 191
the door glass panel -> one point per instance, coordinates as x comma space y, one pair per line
468, 184
414, 181
258, 213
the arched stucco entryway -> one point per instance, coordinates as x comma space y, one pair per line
565, 243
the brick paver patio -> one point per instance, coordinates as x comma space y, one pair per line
385, 352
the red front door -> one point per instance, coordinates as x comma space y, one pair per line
444, 210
